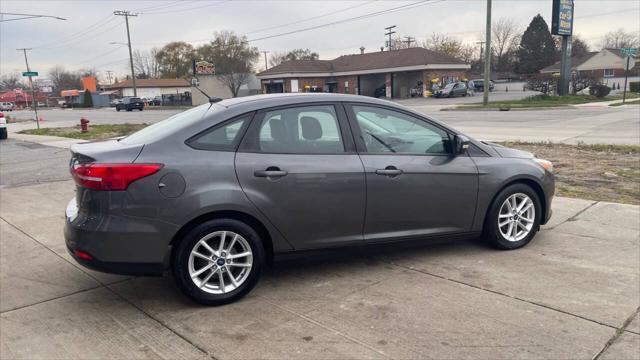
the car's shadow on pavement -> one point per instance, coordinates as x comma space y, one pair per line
316, 275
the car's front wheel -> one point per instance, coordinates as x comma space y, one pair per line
513, 218
218, 262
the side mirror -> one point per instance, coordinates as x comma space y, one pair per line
461, 144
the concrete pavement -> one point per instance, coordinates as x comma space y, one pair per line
573, 292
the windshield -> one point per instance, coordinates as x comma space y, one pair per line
449, 86
167, 126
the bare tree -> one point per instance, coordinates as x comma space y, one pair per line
447, 45
233, 58
175, 59
146, 64
505, 36
620, 39
277, 58
11, 81
64, 80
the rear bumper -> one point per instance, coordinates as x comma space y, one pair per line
115, 244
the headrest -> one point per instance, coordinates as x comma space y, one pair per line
278, 130
311, 128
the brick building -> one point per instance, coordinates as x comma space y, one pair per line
392, 73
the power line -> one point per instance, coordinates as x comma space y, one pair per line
90, 28
163, 6
373, 14
310, 18
183, 10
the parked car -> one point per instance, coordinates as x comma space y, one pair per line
216, 192
478, 84
7, 106
380, 92
451, 90
3, 127
130, 103
115, 102
157, 101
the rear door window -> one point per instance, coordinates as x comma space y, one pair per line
301, 130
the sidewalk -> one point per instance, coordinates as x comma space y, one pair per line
55, 141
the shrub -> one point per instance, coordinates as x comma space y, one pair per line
634, 86
599, 90
87, 101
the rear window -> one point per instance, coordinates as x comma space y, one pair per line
167, 126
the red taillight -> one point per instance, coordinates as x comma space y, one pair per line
82, 255
111, 176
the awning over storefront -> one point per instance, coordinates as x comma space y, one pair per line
65, 93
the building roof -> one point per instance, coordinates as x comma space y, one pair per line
147, 83
575, 62
412, 57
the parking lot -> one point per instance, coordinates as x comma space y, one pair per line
574, 292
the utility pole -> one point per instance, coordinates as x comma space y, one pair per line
487, 57
126, 15
409, 40
265, 60
389, 33
109, 76
34, 103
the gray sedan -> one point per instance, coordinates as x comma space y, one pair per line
215, 192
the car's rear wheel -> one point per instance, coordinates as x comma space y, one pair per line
218, 262
513, 218
117, 109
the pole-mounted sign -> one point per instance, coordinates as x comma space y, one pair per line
562, 17
562, 24
629, 52
29, 73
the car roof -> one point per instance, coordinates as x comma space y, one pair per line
269, 100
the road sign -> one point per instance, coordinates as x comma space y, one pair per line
29, 73
562, 17
629, 51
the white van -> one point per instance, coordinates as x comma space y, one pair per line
7, 106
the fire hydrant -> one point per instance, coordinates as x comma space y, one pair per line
84, 125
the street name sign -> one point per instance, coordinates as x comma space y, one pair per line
29, 73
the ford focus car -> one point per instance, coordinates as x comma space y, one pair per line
217, 191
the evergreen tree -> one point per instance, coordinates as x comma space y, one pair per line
87, 101
537, 48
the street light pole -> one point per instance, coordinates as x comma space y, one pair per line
265, 60
487, 57
34, 103
126, 15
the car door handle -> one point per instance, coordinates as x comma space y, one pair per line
389, 171
270, 172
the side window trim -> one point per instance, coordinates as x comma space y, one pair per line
251, 139
357, 134
190, 142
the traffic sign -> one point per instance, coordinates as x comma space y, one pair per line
29, 73
629, 51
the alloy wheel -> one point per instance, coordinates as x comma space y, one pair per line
516, 217
220, 262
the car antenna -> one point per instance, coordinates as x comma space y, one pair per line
212, 99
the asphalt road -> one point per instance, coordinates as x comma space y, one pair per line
593, 125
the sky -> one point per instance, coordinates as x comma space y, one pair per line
83, 40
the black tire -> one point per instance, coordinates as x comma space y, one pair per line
181, 253
117, 109
140, 109
492, 232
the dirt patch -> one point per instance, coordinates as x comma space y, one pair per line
595, 172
